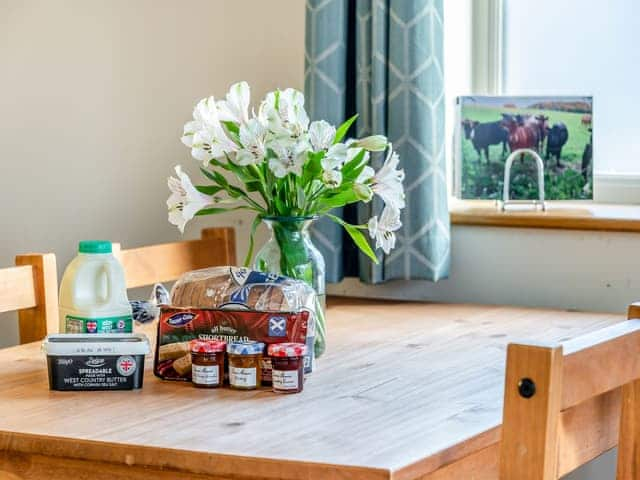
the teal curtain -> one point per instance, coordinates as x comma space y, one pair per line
383, 60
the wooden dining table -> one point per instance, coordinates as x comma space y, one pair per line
404, 391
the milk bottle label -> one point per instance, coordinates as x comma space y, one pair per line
120, 324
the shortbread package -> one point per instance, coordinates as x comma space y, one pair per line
177, 326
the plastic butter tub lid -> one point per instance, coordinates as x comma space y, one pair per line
91, 344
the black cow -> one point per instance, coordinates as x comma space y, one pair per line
557, 136
484, 134
587, 156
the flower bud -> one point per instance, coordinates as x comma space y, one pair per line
374, 143
363, 191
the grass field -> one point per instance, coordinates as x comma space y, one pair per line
480, 180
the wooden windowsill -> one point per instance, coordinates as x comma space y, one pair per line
559, 215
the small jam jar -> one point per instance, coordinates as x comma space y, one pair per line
287, 366
207, 363
245, 364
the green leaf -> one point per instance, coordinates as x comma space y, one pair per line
208, 174
209, 189
254, 226
232, 127
344, 128
358, 238
216, 210
342, 197
312, 167
353, 167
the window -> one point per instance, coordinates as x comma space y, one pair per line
568, 47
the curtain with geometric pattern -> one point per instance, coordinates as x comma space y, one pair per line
383, 59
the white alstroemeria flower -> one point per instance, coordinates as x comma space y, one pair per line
185, 201
321, 135
204, 114
292, 112
382, 230
387, 182
366, 174
290, 157
373, 143
205, 135
289, 118
190, 128
332, 178
236, 107
210, 143
252, 136
335, 156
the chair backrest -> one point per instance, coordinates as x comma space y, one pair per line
31, 288
167, 261
566, 404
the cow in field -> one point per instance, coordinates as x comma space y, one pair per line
541, 122
557, 136
587, 156
522, 133
484, 134
586, 119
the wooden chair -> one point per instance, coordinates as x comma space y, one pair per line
167, 261
31, 288
566, 404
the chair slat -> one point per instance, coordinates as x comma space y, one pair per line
42, 318
166, 262
16, 288
600, 361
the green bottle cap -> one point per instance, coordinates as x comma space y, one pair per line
94, 246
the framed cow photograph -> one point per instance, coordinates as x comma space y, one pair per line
559, 129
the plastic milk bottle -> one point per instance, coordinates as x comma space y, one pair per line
93, 293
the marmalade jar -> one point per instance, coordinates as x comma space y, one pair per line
245, 364
207, 363
287, 366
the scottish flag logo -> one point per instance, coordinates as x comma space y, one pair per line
278, 326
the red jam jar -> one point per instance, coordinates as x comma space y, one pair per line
287, 364
207, 363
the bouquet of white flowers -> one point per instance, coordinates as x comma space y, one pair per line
289, 171
288, 166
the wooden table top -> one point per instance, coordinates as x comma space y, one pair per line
403, 389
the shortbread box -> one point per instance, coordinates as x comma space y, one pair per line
178, 326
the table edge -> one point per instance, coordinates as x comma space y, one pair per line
184, 461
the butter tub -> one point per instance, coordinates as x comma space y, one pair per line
95, 362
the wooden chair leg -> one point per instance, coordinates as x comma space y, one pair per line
37, 321
227, 239
532, 402
629, 436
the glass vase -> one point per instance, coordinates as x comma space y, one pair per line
291, 252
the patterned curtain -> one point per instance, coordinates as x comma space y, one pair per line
383, 59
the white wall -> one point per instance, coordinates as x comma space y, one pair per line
93, 96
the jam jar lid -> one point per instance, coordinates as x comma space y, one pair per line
248, 347
287, 349
207, 346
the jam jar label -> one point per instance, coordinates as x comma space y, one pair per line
285, 379
242, 377
205, 374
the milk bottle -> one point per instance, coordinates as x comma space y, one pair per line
93, 293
